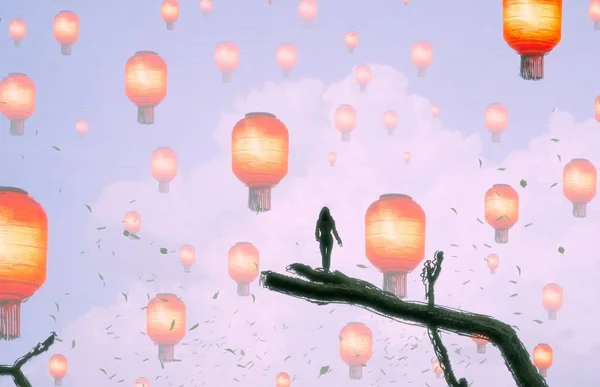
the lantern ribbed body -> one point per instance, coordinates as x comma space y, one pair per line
501, 210
18, 98
496, 120
543, 357
23, 255
421, 56
552, 299
243, 262
66, 30
58, 367
227, 59
345, 120
395, 239
187, 257
142, 382
580, 179
356, 347
166, 324
163, 166
283, 380
260, 148
146, 83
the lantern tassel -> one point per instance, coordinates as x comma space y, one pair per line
166, 353
363, 88
287, 73
145, 115
226, 77
501, 235
259, 199
579, 210
187, 269
597, 26
243, 290
438, 376
480, 348
421, 73
390, 132
163, 187
18, 43
65, 49
17, 127
10, 320
346, 136
551, 315
395, 283
544, 373
170, 26
58, 381
496, 138
356, 372
492, 271
532, 67
351, 50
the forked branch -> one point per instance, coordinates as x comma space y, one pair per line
15, 371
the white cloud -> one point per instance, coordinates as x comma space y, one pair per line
206, 208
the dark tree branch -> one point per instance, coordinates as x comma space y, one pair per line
15, 371
429, 275
323, 288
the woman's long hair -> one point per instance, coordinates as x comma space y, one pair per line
325, 216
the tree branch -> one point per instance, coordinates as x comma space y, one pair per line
15, 371
323, 288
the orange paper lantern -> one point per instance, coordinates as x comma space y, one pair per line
283, 380
163, 166
165, 324
17, 101
287, 58
496, 120
227, 58
66, 30
356, 347
132, 222
594, 12
242, 265
543, 358
169, 10
395, 239
187, 257
205, 7
23, 255
345, 120
435, 110
501, 210
308, 10
146, 83
260, 147
437, 369
363, 76
17, 30
407, 157
390, 121
532, 28
481, 343
493, 261
552, 299
81, 127
142, 382
351, 40
580, 179
332, 158
421, 56
58, 367
597, 107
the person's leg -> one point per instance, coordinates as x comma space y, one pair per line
323, 248
327, 260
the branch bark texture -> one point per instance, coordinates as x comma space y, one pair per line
335, 287
15, 371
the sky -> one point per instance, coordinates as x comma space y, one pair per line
91, 264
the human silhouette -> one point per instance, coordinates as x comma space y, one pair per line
326, 226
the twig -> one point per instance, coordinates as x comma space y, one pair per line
15, 371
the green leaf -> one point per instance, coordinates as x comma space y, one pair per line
230, 350
538, 321
561, 249
559, 158
89, 208
361, 266
523, 183
73, 344
528, 225
454, 210
517, 313
323, 371
172, 325
126, 233
553, 185
56, 148
518, 269
124, 296
480, 163
514, 295
554, 140
253, 298
214, 297
194, 326
101, 228
501, 169
164, 250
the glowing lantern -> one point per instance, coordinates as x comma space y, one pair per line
283, 380
287, 58
163, 167
421, 56
142, 382
146, 83
532, 28
395, 239
17, 97
332, 158
437, 369
579, 185
481, 343
205, 7
363, 76
81, 127
345, 120
597, 107
165, 324
169, 10
132, 222
390, 121
594, 12
493, 261
552, 299
227, 58
308, 10
501, 210
260, 146
187, 257
17, 30
351, 40
356, 347
543, 357
407, 157
242, 266
66, 30
406, 2
23, 254
496, 120
435, 110
58, 367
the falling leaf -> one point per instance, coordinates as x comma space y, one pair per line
104, 371
528, 225
553, 185
559, 158
514, 295
479, 220
100, 275
73, 344
480, 163
126, 233
554, 140
523, 183
89, 208
53, 318
561, 249
253, 298
538, 321
215, 295
513, 281
323, 371
501, 169
56, 148
163, 250
172, 325
57, 306
361, 266
466, 282
500, 217
131, 202
230, 350
454, 210
517, 313
194, 326
101, 228
518, 269
124, 296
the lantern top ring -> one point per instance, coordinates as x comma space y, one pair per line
251, 114
394, 195
13, 189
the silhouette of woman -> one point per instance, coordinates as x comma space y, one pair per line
326, 226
